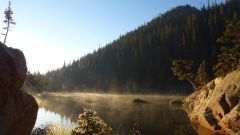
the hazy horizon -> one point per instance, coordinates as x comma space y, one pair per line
51, 32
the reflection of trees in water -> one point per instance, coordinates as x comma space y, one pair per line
120, 113
61, 105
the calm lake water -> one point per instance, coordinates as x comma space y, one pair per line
45, 116
155, 118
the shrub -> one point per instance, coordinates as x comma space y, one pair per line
50, 129
90, 123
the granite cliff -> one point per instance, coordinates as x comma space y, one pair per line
215, 109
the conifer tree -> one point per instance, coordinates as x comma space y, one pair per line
183, 70
229, 58
8, 20
201, 77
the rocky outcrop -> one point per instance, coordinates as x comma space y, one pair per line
18, 110
215, 109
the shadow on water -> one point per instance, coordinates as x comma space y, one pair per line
156, 118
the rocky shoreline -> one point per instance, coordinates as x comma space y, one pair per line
215, 109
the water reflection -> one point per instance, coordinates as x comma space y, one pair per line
45, 116
119, 111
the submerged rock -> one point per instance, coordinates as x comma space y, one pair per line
177, 103
216, 106
137, 100
18, 110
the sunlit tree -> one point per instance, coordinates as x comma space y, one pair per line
201, 77
183, 70
229, 58
90, 123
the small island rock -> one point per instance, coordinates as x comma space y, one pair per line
140, 101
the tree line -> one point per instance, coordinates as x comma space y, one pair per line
228, 59
143, 59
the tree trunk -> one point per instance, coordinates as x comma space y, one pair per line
5, 38
195, 88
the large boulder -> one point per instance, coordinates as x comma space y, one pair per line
215, 109
18, 110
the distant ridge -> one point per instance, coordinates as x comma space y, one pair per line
141, 59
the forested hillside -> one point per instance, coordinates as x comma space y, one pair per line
141, 59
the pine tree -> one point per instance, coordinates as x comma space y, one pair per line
201, 77
229, 58
8, 20
183, 70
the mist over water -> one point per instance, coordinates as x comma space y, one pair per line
154, 118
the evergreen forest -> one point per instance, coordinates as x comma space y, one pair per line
141, 60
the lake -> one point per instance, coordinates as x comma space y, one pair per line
118, 111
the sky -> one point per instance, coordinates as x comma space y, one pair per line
51, 32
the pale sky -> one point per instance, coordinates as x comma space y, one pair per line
50, 32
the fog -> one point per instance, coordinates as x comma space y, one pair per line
154, 118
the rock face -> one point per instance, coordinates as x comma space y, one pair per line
215, 109
18, 110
